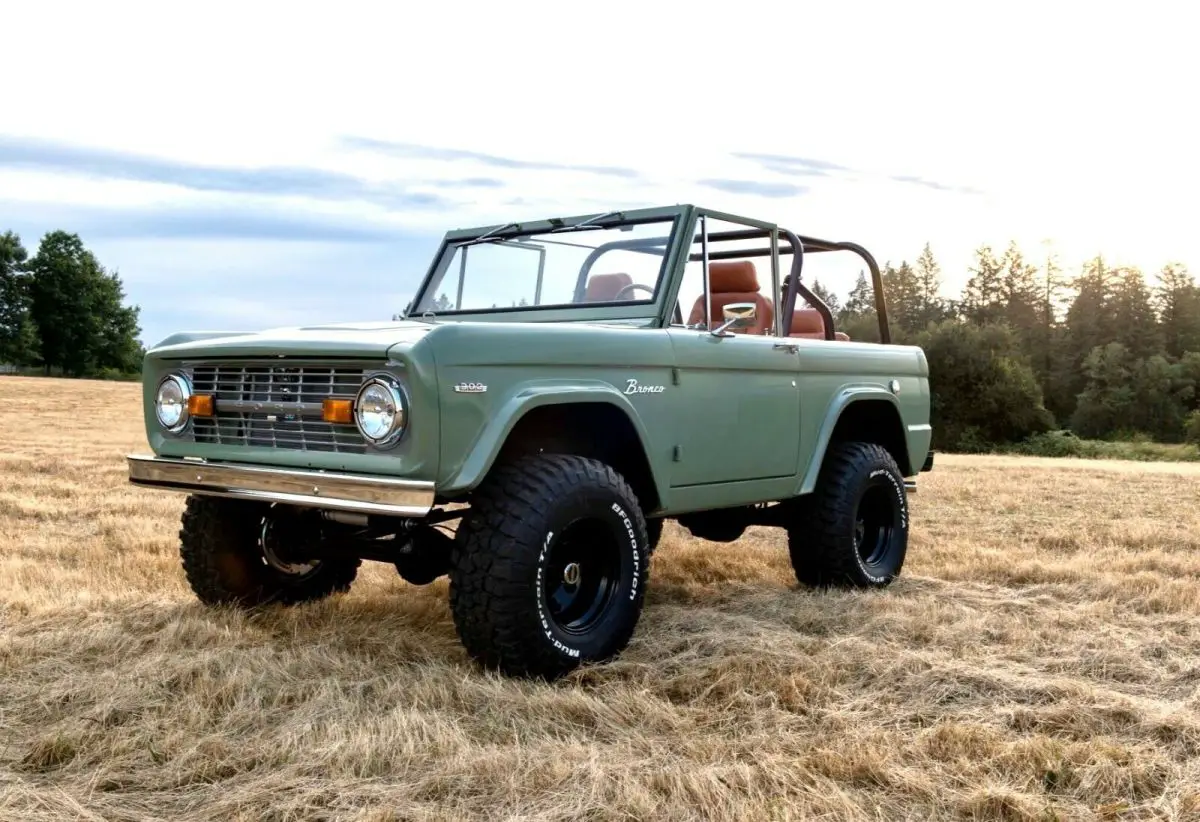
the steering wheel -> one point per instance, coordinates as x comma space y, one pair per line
632, 286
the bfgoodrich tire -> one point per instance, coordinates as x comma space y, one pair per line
245, 553
549, 567
853, 529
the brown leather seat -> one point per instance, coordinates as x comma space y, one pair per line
734, 282
605, 287
809, 324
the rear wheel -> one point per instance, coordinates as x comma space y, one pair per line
549, 567
249, 554
853, 529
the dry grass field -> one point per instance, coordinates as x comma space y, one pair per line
1039, 659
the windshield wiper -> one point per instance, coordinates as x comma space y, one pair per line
588, 222
489, 236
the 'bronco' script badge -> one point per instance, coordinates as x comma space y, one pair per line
632, 387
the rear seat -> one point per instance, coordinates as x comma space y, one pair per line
809, 324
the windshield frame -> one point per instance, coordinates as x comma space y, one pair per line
674, 220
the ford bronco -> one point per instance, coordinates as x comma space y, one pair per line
555, 389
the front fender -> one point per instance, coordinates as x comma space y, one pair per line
482, 452
841, 401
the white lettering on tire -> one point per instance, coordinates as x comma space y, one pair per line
541, 567
635, 552
633, 546
901, 501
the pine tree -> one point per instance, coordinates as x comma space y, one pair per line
1047, 338
826, 296
928, 305
1019, 293
983, 296
861, 300
1136, 325
899, 286
1177, 301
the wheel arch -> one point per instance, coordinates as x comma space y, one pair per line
594, 422
865, 414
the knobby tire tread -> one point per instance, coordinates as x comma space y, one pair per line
221, 561
816, 537
492, 559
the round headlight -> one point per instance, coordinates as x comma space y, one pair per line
171, 403
379, 411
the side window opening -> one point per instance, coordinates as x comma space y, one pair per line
740, 271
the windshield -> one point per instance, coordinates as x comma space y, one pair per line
613, 262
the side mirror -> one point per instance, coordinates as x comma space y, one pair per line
736, 315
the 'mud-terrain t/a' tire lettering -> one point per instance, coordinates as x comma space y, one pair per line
549, 567
853, 529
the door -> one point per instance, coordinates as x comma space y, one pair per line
736, 404
737, 407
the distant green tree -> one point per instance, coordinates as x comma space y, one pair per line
1046, 345
1090, 322
1187, 380
928, 304
1177, 302
18, 334
826, 296
861, 300
1125, 395
983, 390
78, 307
1019, 292
117, 345
1192, 428
903, 300
983, 296
1135, 322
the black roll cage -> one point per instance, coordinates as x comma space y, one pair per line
798, 246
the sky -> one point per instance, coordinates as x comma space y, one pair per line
245, 166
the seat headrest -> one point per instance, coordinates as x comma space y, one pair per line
737, 276
602, 287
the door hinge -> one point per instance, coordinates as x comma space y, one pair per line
677, 453
674, 376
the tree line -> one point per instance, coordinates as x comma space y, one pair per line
63, 313
1026, 350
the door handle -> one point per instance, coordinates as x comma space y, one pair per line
791, 348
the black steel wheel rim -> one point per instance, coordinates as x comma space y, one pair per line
277, 540
583, 572
875, 524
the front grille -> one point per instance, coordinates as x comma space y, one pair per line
276, 406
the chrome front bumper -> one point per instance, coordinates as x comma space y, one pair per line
363, 493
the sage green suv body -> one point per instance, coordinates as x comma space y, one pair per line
561, 386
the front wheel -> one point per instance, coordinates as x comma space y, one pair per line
549, 567
250, 553
853, 529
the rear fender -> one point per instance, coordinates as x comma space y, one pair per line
833, 415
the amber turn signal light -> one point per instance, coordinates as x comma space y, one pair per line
337, 410
200, 405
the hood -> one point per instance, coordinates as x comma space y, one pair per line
362, 339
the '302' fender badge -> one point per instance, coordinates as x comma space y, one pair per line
470, 388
